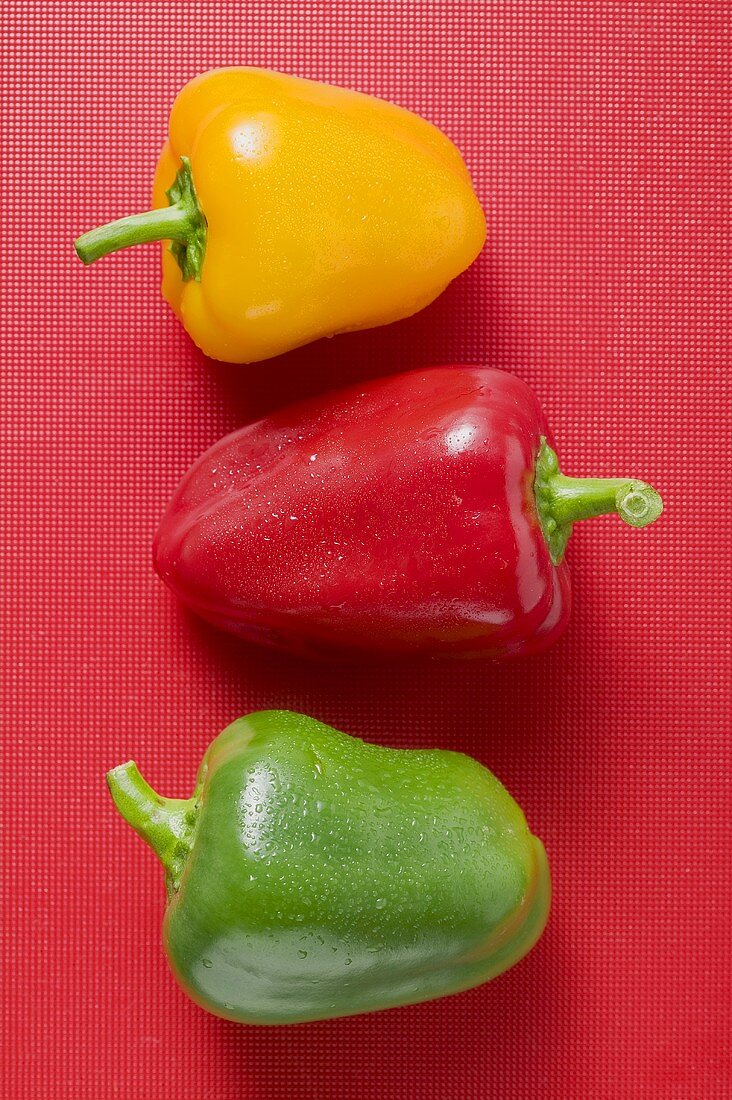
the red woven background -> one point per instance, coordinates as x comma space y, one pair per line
597, 140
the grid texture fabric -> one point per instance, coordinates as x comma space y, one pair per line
597, 135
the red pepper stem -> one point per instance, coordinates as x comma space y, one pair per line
166, 824
575, 498
170, 223
562, 501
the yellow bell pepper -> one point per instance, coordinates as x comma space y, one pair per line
298, 210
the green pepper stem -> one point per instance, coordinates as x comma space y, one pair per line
182, 223
170, 223
166, 824
561, 501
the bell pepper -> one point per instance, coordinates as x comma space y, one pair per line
314, 875
298, 210
423, 513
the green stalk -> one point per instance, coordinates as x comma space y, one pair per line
183, 223
562, 501
166, 824
169, 223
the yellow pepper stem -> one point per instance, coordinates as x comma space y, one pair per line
182, 223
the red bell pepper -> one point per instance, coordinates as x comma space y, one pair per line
422, 513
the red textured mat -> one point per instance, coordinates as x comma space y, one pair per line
597, 138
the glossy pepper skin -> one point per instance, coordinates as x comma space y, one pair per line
298, 210
418, 514
314, 875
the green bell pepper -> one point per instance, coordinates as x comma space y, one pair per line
313, 875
